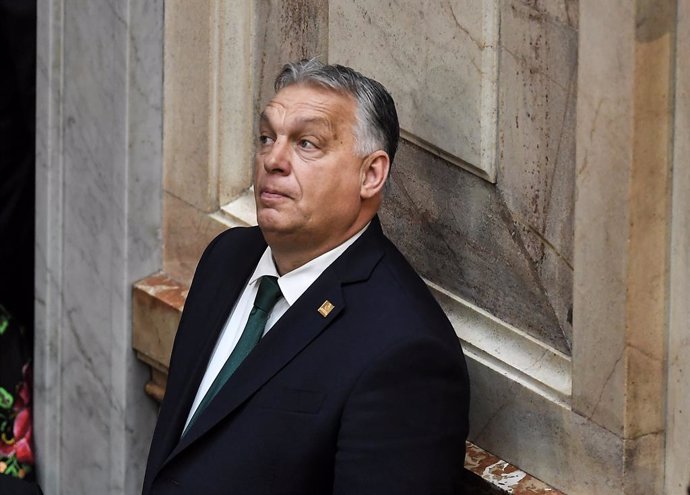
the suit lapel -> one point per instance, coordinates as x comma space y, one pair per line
180, 395
299, 326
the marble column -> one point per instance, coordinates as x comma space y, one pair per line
622, 227
678, 382
98, 210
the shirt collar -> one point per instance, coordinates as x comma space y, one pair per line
293, 284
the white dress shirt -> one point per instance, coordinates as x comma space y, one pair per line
292, 285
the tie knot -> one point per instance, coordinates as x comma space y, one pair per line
268, 293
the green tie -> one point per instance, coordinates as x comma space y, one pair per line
266, 297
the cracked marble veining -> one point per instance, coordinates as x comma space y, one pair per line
448, 63
458, 232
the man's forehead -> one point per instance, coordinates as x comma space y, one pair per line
313, 104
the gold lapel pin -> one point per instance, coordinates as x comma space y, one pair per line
326, 308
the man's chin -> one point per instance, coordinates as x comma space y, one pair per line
270, 225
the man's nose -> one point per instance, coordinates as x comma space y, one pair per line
278, 159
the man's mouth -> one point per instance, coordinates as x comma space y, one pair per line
269, 194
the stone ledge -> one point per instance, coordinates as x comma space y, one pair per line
157, 303
500, 477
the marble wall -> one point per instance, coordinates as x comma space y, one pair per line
438, 60
98, 209
505, 247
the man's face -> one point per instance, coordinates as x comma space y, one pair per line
307, 177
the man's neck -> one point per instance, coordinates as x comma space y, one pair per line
287, 260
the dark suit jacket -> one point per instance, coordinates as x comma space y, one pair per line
371, 399
15, 486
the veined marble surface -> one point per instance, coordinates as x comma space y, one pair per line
458, 232
99, 166
540, 436
438, 60
506, 247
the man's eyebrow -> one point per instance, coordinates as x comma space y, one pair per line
321, 126
302, 121
319, 121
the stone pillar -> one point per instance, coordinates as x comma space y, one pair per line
98, 208
678, 383
622, 226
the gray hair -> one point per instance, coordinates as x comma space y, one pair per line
377, 125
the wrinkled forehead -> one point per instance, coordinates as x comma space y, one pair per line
313, 102
318, 87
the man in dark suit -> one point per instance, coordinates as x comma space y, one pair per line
358, 384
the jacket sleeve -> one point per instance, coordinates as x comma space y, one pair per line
168, 428
405, 423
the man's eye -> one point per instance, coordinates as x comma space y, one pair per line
306, 144
264, 139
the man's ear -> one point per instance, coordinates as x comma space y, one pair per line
375, 170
